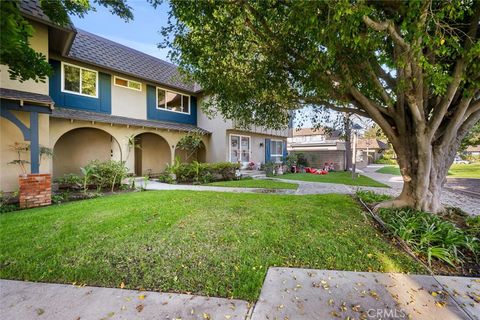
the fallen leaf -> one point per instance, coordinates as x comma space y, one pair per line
440, 304
141, 297
122, 285
40, 311
206, 316
140, 308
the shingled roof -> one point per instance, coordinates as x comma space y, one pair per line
33, 10
105, 53
64, 113
25, 96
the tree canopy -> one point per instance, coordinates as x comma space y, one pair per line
413, 67
23, 62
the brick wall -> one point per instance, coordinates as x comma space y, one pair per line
35, 190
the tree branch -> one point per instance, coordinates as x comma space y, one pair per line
388, 26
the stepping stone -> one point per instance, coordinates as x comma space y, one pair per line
290, 293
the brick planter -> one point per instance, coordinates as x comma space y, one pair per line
35, 190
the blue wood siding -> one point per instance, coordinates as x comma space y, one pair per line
157, 114
101, 104
267, 150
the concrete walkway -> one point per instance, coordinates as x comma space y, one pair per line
287, 293
290, 293
28, 300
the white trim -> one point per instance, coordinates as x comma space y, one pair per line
240, 142
62, 64
172, 91
128, 82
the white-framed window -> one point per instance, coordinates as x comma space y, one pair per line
240, 148
276, 151
130, 84
79, 80
173, 101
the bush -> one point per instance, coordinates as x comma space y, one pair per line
105, 174
201, 172
69, 181
430, 236
388, 157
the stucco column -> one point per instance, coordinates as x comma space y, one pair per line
172, 154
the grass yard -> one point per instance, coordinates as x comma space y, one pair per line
471, 170
341, 177
395, 170
255, 183
457, 170
210, 243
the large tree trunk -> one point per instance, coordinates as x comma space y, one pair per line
424, 168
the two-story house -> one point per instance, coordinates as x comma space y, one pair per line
108, 101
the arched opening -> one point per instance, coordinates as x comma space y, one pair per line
152, 154
77, 147
187, 157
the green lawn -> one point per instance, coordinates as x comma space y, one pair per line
471, 170
457, 170
395, 170
210, 243
255, 183
341, 177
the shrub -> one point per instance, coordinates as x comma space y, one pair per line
430, 236
69, 180
105, 174
201, 172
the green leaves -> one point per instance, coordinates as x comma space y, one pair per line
24, 63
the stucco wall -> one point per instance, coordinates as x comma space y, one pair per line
39, 42
129, 103
121, 133
9, 134
78, 147
155, 153
221, 129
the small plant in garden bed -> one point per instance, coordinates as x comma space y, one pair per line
432, 237
197, 172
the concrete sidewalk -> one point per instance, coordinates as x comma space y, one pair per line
287, 293
28, 300
290, 293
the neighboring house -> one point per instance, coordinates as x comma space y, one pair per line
473, 151
101, 97
319, 147
369, 150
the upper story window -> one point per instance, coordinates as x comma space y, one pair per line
134, 85
173, 101
79, 80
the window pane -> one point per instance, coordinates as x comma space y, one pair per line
279, 148
186, 104
134, 85
161, 98
174, 101
234, 148
121, 82
245, 149
71, 78
89, 82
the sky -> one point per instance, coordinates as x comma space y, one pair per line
143, 33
